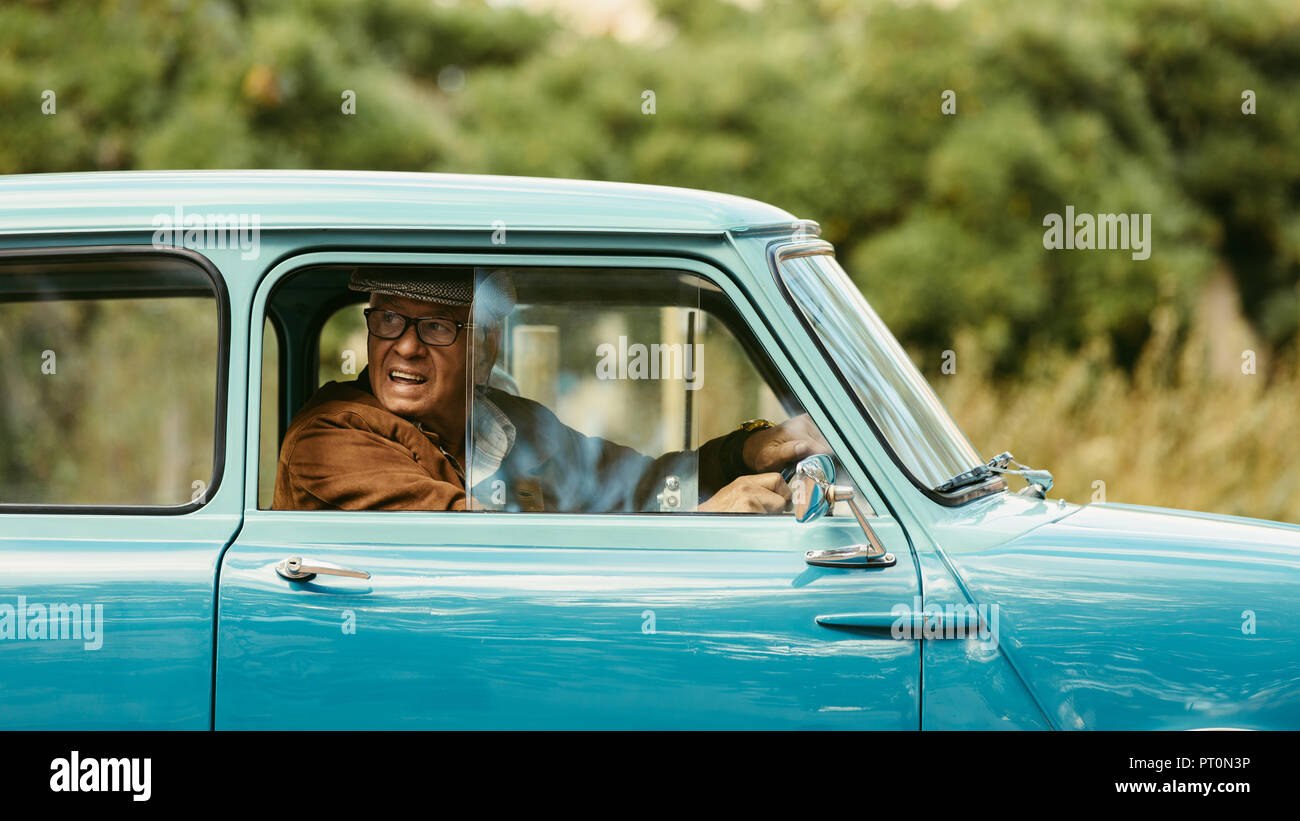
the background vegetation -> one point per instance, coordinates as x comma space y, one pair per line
1097, 366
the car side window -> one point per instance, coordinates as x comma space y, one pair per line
594, 390
111, 371
614, 389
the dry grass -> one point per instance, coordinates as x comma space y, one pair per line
1188, 429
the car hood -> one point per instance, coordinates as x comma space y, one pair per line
1122, 617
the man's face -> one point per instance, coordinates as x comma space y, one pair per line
416, 380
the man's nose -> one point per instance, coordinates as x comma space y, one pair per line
409, 343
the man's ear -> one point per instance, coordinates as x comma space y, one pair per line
485, 353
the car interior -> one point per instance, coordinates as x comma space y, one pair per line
311, 313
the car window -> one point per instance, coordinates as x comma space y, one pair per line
600, 362
110, 368
614, 390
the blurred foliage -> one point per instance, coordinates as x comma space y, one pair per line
828, 108
212, 84
832, 111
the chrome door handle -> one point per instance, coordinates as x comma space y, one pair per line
913, 625
294, 570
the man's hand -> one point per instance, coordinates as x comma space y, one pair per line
776, 447
760, 493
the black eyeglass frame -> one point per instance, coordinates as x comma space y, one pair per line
406, 323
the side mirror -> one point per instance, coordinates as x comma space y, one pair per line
815, 492
813, 477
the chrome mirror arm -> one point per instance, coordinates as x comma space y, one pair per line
815, 496
843, 493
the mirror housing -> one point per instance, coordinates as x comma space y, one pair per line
813, 477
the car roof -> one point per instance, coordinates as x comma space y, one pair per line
130, 200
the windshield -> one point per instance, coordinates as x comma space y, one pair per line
913, 420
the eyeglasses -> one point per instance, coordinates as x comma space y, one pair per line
432, 330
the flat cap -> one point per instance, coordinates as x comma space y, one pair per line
495, 292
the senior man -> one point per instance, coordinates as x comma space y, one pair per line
394, 439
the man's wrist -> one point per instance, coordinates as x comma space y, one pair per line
747, 455
732, 456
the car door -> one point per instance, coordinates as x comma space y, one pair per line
506, 617
112, 510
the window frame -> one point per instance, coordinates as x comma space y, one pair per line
758, 327
50, 256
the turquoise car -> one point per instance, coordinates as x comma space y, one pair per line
159, 332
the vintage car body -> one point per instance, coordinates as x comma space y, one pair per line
1109, 616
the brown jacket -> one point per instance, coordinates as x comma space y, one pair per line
345, 451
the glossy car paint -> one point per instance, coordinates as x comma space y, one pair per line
1109, 616
1126, 616
486, 621
152, 576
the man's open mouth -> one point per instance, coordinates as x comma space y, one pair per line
406, 377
